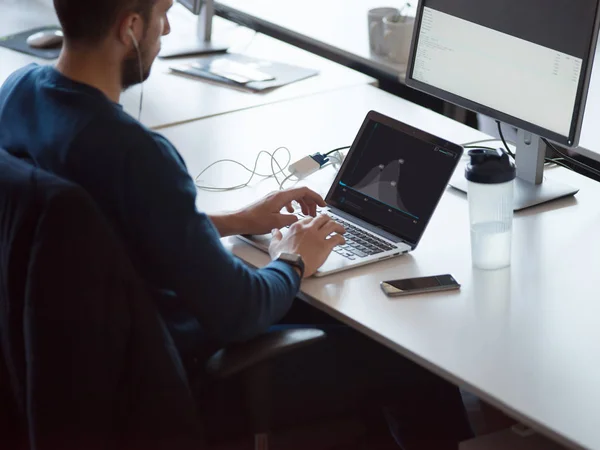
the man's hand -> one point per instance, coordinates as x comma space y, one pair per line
313, 239
265, 215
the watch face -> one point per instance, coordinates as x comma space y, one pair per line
291, 257
294, 260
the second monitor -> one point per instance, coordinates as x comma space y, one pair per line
523, 62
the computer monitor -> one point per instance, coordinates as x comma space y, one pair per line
193, 5
523, 62
204, 45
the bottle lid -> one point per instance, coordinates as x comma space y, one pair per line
490, 167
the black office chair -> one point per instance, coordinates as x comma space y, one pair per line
85, 360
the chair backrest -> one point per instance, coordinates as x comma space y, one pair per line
18, 216
85, 359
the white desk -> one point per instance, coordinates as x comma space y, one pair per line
170, 98
336, 29
526, 339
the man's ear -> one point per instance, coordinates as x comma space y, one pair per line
132, 23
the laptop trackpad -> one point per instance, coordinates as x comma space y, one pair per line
334, 263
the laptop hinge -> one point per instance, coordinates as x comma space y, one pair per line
372, 228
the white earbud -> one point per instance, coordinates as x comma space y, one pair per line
135, 42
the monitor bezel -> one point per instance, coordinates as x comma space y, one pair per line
571, 140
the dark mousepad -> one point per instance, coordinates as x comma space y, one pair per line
18, 42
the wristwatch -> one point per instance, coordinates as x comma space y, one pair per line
293, 259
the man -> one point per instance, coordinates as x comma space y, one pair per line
68, 121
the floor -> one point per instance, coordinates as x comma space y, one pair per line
348, 434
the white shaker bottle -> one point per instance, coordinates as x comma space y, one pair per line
490, 175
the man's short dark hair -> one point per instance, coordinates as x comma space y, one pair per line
90, 20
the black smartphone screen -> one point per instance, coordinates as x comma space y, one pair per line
397, 287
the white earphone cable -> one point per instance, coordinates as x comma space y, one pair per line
141, 68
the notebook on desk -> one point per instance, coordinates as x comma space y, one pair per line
244, 72
385, 192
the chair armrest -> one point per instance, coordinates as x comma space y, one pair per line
237, 358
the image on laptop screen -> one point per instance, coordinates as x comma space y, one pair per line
394, 178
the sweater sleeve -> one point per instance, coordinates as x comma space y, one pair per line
179, 249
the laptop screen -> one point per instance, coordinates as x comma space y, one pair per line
394, 176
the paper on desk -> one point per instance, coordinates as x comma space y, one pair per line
241, 71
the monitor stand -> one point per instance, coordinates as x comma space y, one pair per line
204, 44
531, 187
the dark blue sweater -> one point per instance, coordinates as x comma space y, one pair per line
141, 184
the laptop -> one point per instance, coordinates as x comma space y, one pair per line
385, 192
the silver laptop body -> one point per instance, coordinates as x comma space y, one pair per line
384, 208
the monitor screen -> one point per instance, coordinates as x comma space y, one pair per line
524, 62
193, 5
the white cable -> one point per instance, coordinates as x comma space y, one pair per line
278, 166
139, 56
284, 180
253, 171
335, 159
247, 45
483, 141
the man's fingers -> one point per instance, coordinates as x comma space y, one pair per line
306, 221
277, 236
332, 227
285, 220
320, 221
289, 208
304, 206
335, 240
311, 208
301, 193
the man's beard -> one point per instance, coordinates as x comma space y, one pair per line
130, 73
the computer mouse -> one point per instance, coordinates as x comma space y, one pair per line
46, 39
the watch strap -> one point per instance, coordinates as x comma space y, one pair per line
294, 260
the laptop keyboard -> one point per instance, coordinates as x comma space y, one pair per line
359, 244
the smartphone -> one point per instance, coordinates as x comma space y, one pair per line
407, 286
